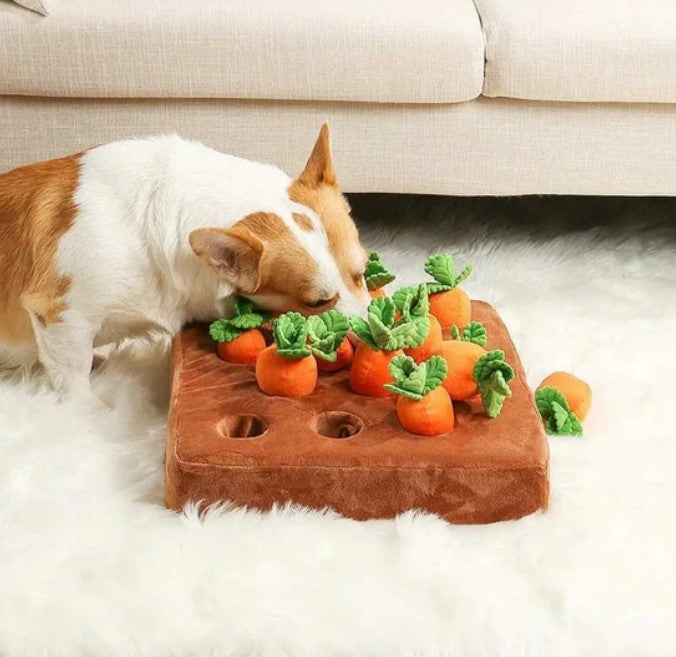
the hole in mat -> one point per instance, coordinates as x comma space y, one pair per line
337, 424
242, 426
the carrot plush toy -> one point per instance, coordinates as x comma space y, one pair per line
413, 304
448, 303
286, 368
381, 339
563, 401
461, 354
376, 275
328, 342
423, 406
239, 340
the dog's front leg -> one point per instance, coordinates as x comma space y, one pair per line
66, 351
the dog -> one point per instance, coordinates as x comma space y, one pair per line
143, 235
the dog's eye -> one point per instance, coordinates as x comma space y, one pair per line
324, 301
317, 304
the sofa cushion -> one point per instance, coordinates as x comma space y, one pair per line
404, 51
580, 50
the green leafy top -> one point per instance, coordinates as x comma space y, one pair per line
414, 306
326, 332
381, 332
474, 332
415, 381
245, 316
558, 418
492, 374
290, 335
441, 267
376, 275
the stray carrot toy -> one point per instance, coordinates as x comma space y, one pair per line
461, 354
448, 303
577, 393
423, 407
287, 368
381, 339
559, 419
376, 275
239, 340
492, 375
328, 342
413, 304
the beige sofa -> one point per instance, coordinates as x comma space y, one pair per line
441, 96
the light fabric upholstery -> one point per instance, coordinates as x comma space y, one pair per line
39, 6
488, 146
399, 51
580, 50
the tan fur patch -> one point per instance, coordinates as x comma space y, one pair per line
285, 267
334, 212
36, 209
303, 221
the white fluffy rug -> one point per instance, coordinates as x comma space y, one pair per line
92, 564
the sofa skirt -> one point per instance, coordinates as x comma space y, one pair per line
483, 147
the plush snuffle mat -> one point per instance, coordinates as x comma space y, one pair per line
229, 441
92, 563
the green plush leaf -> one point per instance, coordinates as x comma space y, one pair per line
383, 308
290, 335
401, 367
409, 378
474, 332
222, 331
401, 295
559, 420
437, 369
326, 332
246, 316
415, 381
362, 330
381, 333
441, 267
242, 306
248, 321
464, 274
492, 374
376, 275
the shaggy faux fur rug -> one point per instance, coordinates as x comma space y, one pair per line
92, 564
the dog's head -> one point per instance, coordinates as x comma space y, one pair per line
310, 260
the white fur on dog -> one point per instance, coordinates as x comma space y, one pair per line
92, 564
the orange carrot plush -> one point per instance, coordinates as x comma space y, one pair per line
376, 275
578, 394
328, 342
423, 406
381, 339
563, 401
239, 340
461, 354
287, 368
413, 304
448, 303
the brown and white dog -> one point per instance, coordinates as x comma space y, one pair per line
142, 235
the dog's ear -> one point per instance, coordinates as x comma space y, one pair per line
319, 167
234, 253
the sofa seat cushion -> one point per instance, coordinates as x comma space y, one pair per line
580, 50
399, 51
